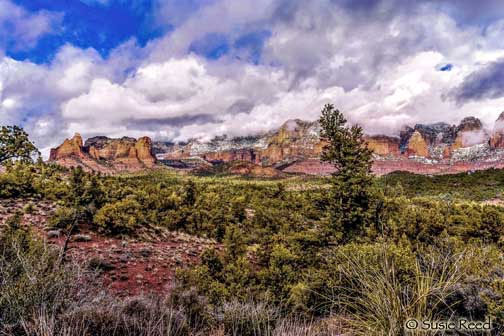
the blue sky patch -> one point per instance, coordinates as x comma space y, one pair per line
211, 46
98, 24
253, 44
447, 67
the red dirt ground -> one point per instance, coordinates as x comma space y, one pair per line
129, 266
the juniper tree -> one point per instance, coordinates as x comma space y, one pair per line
82, 201
351, 198
15, 144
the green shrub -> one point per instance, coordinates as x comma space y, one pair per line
29, 208
17, 181
30, 277
120, 217
63, 218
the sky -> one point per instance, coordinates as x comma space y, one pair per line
180, 69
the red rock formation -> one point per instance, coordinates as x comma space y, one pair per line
105, 155
143, 151
383, 167
469, 133
231, 155
383, 145
70, 148
497, 138
310, 167
295, 139
296, 147
417, 145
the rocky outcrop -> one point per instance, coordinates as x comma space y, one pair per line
143, 151
417, 146
295, 139
69, 148
383, 145
437, 133
469, 133
429, 141
310, 167
497, 138
104, 154
231, 155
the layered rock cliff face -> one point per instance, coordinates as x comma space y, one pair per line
383, 145
296, 139
296, 147
104, 154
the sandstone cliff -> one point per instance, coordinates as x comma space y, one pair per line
497, 138
70, 148
104, 154
383, 145
469, 133
417, 145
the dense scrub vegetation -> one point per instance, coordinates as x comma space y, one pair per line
280, 248
477, 186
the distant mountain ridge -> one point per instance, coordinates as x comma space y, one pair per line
295, 147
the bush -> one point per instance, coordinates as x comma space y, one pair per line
31, 278
120, 217
149, 316
63, 218
29, 208
17, 181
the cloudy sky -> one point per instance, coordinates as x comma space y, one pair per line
178, 69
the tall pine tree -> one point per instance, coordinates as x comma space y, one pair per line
351, 199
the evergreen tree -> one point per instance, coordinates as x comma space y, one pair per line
234, 243
351, 201
190, 193
15, 144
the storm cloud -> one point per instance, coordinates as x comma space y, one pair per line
485, 83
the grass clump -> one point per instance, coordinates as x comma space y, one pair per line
31, 278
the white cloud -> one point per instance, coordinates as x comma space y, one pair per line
176, 89
8, 103
23, 29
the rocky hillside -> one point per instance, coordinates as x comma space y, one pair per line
294, 141
295, 148
104, 154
